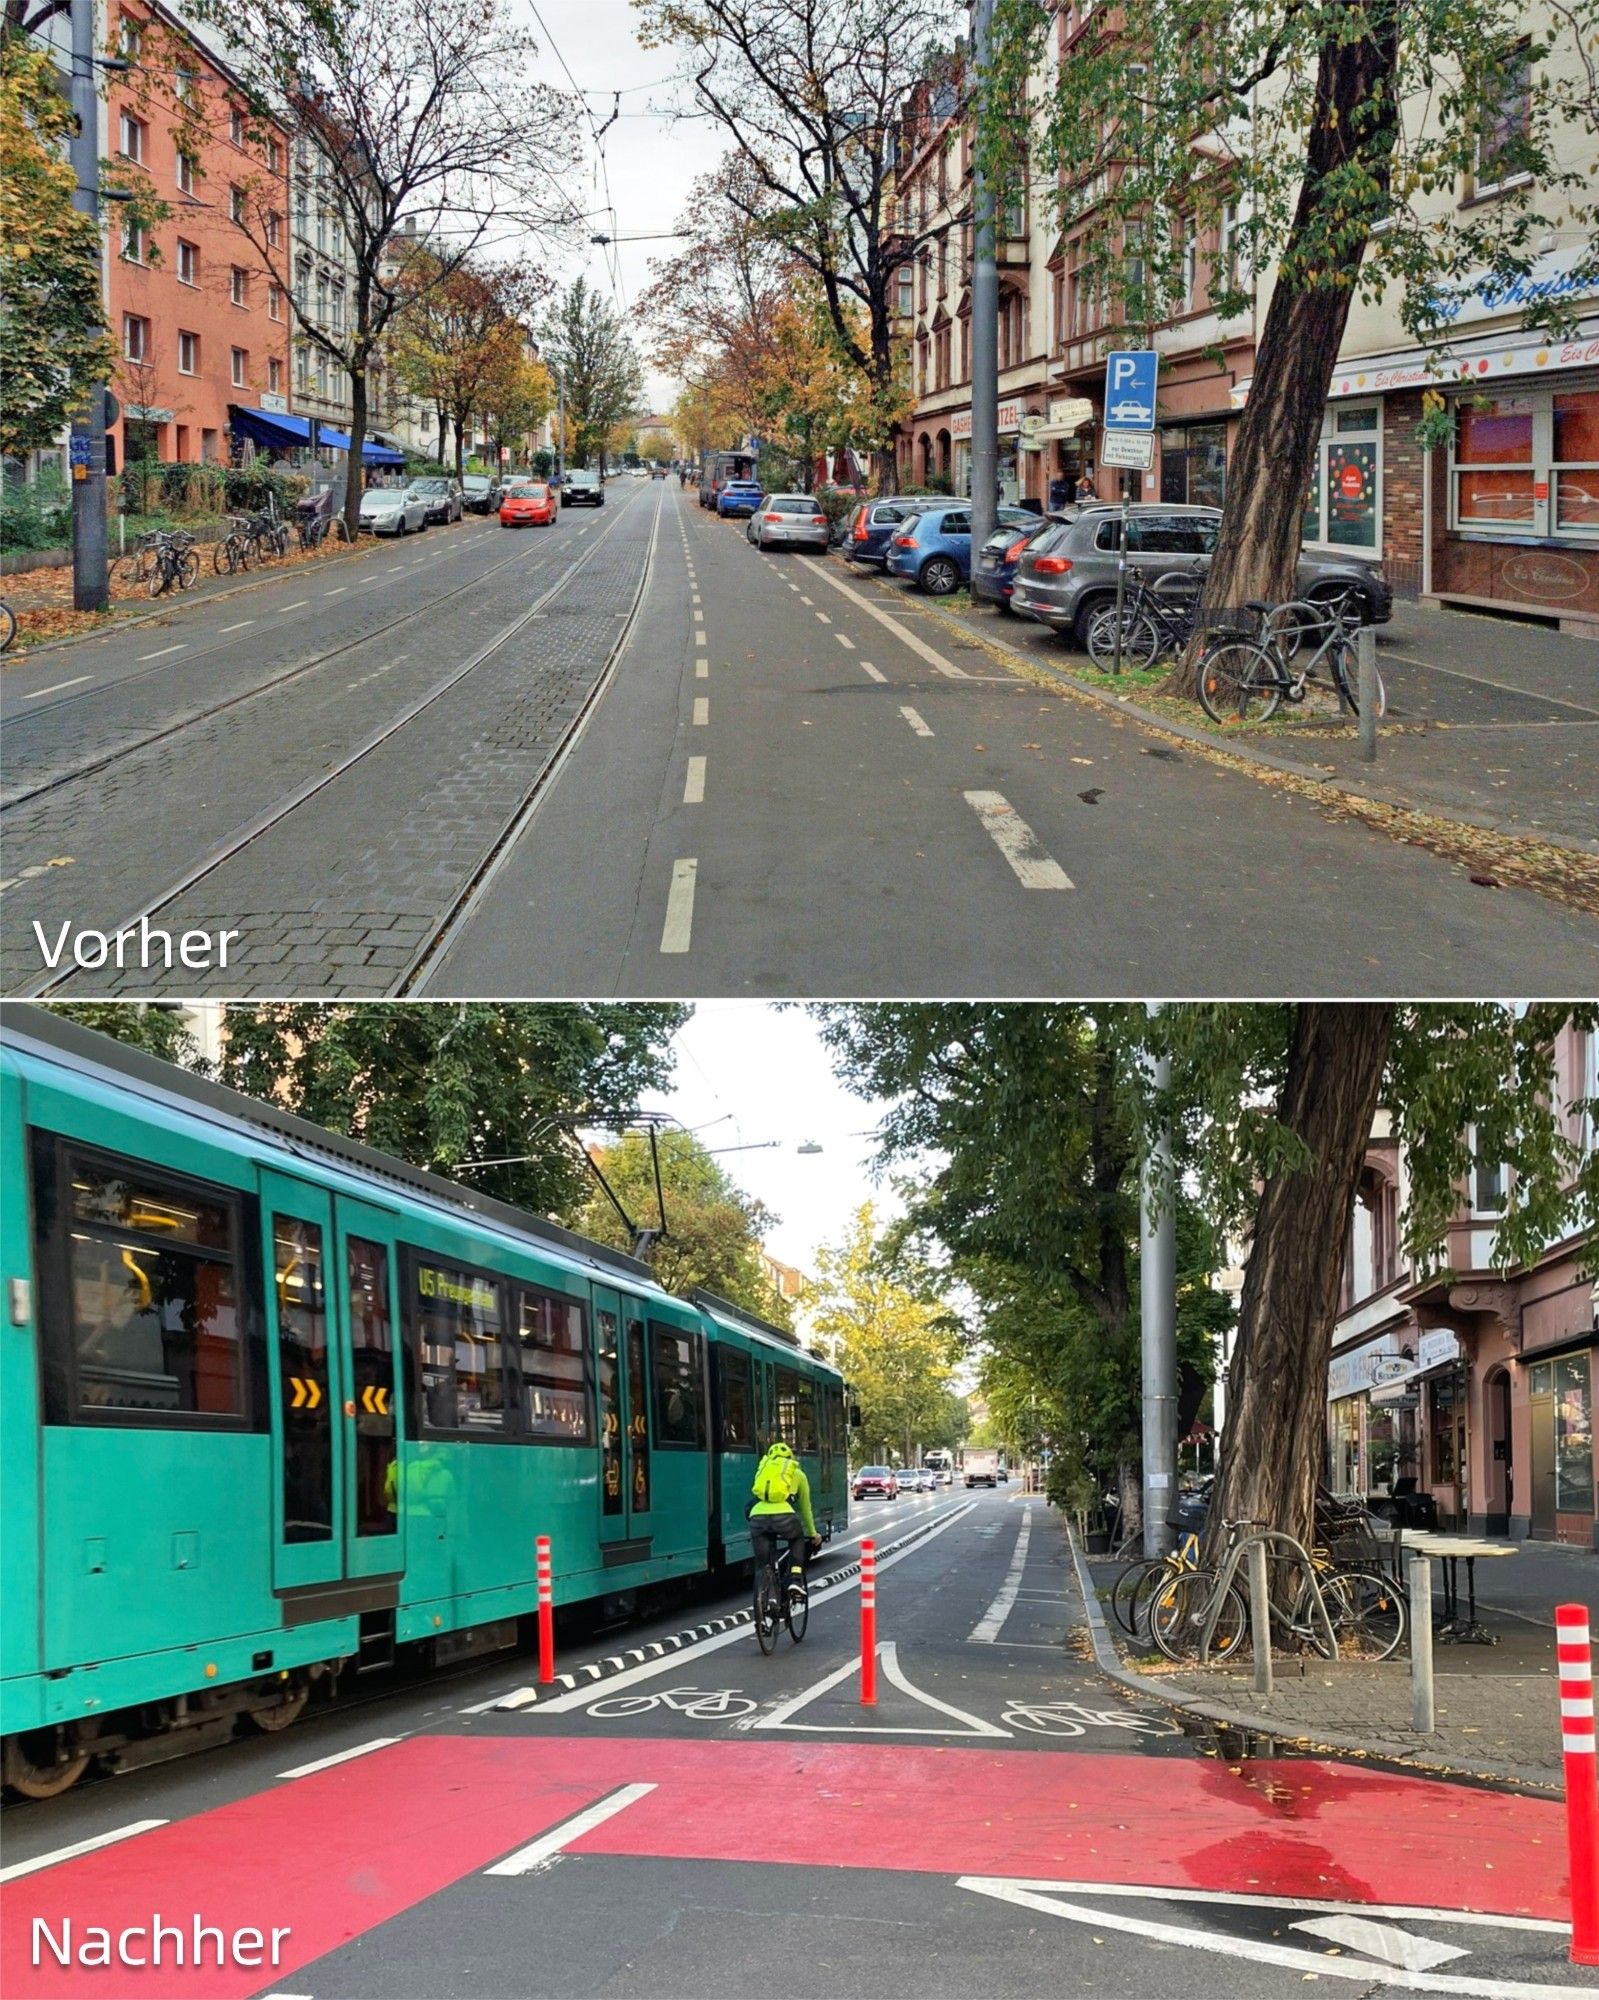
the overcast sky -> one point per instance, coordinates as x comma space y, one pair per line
648, 159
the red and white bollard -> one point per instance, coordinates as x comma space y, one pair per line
546, 1615
868, 1623
1574, 1654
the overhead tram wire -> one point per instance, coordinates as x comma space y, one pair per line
597, 133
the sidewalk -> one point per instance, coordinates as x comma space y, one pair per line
1497, 1707
1491, 722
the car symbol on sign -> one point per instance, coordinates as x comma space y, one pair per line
1130, 413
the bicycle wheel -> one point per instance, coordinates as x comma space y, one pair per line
188, 570
1140, 640
8, 626
1237, 682
1346, 679
159, 577
225, 556
766, 1609
1177, 1613
1367, 1610
798, 1613
1133, 1584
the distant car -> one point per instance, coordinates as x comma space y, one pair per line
877, 1480
933, 547
526, 503
480, 492
790, 521
1129, 412
738, 497
393, 510
922, 1479
582, 488
445, 502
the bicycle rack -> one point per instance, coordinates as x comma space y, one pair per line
1272, 1539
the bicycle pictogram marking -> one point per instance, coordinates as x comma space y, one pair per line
1072, 1718
698, 1704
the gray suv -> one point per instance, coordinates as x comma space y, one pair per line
582, 488
1068, 574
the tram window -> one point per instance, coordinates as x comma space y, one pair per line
787, 1406
737, 1417
805, 1439
372, 1345
154, 1314
638, 1423
303, 1379
458, 1321
555, 1388
679, 1400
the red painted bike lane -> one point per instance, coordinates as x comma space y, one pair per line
335, 1854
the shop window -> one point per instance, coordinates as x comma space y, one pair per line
1494, 474
679, 1404
1343, 1444
1576, 461
1193, 465
554, 1355
1342, 509
736, 1429
1446, 1414
1570, 1381
458, 1323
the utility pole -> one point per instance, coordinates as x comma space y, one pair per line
985, 307
1157, 1298
86, 440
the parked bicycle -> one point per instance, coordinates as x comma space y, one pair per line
175, 563
1157, 620
136, 565
8, 625
1135, 1588
239, 547
269, 536
1245, 675
779, 1600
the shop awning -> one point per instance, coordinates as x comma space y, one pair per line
269, 427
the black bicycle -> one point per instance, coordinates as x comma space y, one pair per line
1157, 619
779, 1600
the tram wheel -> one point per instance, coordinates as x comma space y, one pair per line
283, 1712
33, 1767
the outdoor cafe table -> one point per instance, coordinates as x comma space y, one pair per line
1451, 1550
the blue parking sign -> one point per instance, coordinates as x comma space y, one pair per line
1130, 390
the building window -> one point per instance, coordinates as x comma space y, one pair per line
906, 293
274, 302
235, 125
131, 39
188, 354
302, 368
186, 174
554, 1356
239, 286
135, 337
274, 153
274, 224
188, 263
337, 321
134, 242
275, 375
1506, 116
1190, 263
131, 137
186, 86
241, 366
1227, 249
236, 205
1344, 506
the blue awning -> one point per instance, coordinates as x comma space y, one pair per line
274, 428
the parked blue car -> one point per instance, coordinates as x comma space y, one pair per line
873, 525
738, 496
994, 578
933, 548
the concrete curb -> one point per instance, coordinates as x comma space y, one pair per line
1108, 1660
1247, 753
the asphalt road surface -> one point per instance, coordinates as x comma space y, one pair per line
631, 755
702, 1821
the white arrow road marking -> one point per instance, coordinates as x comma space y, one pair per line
548, 1845
888, 1653
988, 1630
1382, 1941
1321, 1964
18, 1869
1016, 840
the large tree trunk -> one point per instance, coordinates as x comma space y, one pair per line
1272, 1449
1275, 453
353, 471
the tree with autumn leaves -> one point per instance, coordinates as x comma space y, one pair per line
463, 349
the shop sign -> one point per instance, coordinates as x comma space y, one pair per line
1437, 1347
1387, 373
1487, 295
1069, 413
1353, 1373
960, 425
277, 405
1390, 1368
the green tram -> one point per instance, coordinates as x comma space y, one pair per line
275, 1407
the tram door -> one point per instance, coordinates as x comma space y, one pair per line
624, 1418
374, 1510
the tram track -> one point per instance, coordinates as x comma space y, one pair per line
281, 810
194, 717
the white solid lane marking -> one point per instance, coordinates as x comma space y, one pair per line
920, 647
339, 1757
987, 1630
1017, 841
739, 1634
694, 784
702, 710
679, 927
161, 655
57, 686
18, 1869
222, 633
1385, 1942
548, 1845
1414, 1913
888, 1653
868, 668
702, 668
916, 722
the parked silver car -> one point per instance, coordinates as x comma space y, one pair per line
1067, 575
393, 510
790, 521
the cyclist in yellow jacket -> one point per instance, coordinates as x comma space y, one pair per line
779, 1510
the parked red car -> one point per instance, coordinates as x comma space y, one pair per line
526, 502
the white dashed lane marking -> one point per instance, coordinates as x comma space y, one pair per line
918, 724
235, 628
694, 784
702, 711
679, 927
56, 686
162, 652
873, 672
1034, 868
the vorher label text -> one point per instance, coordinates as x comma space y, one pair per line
142, 945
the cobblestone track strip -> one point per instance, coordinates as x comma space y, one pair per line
424, 805
125, 746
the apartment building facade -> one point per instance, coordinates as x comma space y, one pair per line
1473, 1383
1505, 517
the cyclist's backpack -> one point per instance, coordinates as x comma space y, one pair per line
775, 1481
